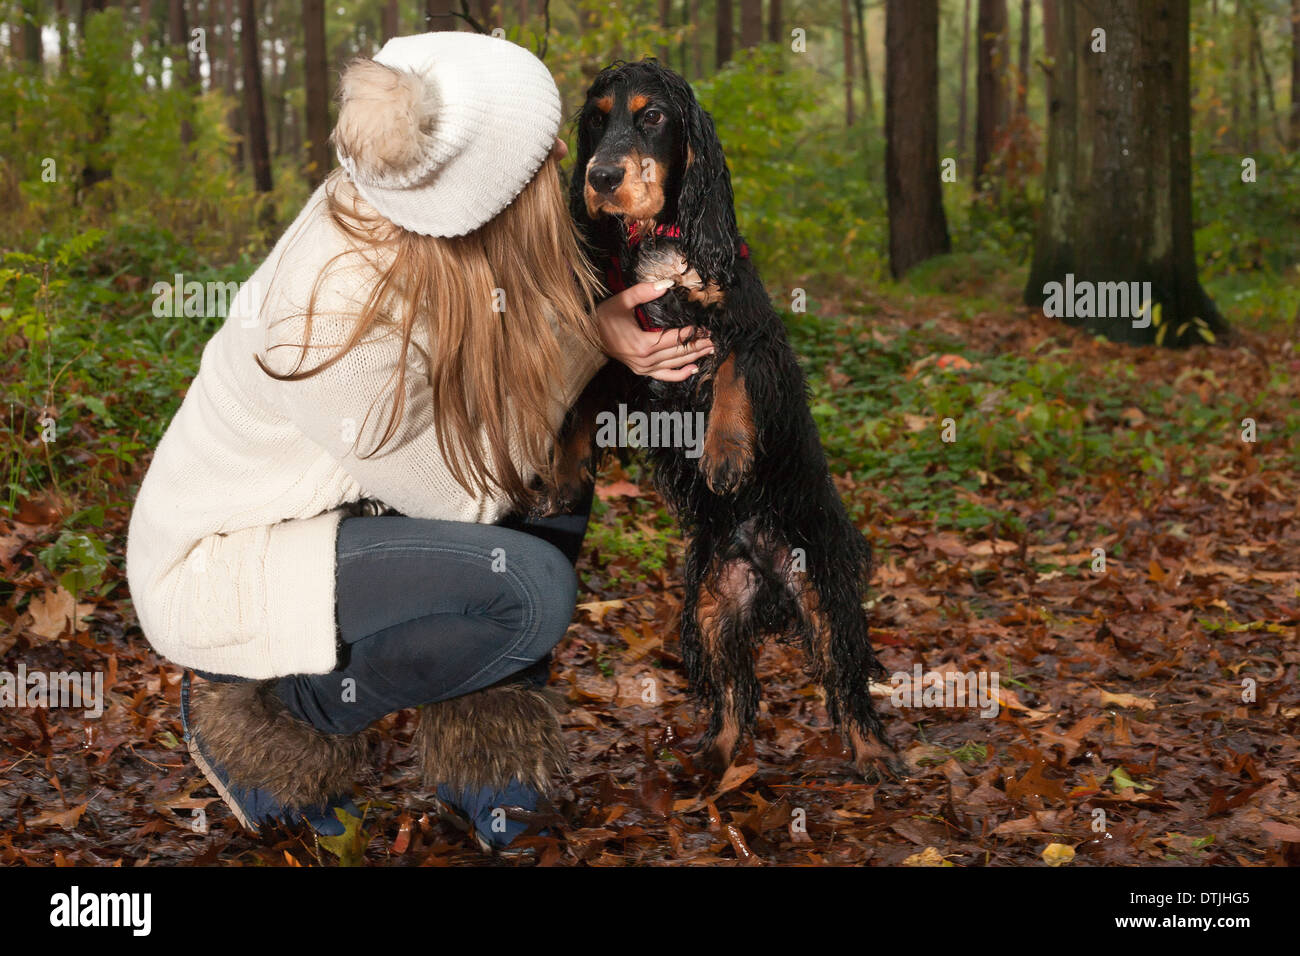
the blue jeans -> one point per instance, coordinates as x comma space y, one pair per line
430, 610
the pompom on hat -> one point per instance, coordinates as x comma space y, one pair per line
441, 131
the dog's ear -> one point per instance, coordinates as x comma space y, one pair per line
705, 205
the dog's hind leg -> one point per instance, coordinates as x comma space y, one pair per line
840, 658
718, 643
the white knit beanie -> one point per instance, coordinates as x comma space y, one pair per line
441, 131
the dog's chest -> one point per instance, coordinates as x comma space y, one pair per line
663, 259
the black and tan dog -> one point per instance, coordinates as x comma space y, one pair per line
771, 549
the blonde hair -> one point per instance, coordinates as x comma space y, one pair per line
495, 375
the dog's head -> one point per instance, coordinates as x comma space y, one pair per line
648, 154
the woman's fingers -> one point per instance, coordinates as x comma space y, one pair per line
675, 355
674, 375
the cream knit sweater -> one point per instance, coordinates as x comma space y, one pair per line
230, 551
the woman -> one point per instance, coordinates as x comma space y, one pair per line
413, 339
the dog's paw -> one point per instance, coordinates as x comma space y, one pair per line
725, 461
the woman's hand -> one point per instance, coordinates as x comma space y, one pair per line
665, 355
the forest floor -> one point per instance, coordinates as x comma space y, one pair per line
1147, 713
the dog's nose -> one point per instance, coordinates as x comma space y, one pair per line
605, 179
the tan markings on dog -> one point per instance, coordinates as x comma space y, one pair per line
729, 439
724, 595
640, 197
819, 661
637, 101
605, 103
669, 263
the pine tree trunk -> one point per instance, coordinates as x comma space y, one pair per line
751, 23
1051, 18
869, 98
259, 150
1295, 74
725, 38
990, 88
178, 37
1118, 183
846, 27
918, 228
962, 107
665, 24
316, 80
438, 16
1022, 92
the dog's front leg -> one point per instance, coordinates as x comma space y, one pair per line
729, 439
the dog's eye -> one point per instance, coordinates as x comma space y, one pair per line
597, 119
652, 117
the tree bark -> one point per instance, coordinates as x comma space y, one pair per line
178, 37
962, 107
774, 22
259, 149
31, 13
1051, 18
316, 80
990, 88
438, 16
392, 19
751, 23
664, 52
846, 27
918, 228
1022, 91
1118, 183
1295, 74
725, 38
868, 96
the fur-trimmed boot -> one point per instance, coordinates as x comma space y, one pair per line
491, 752
267, 765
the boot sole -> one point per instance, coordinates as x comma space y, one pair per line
222, 790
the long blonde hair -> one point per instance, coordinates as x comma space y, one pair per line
495, 375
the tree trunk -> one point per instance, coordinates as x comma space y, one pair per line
1252, 95
860, 16
31, 12
259, 149
725, 40
316, 81
962, 107
751, 23
392, 20
178, 37
1295, 74
1051, 19
438, 16
665, 24
1118, 183
774, 22
918, 228
1267, 77
1022, 92
991, 94
846, 27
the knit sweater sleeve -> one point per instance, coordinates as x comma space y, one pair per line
346, 407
